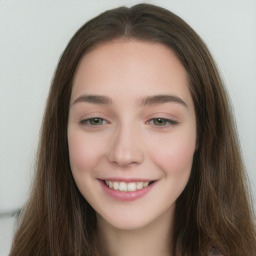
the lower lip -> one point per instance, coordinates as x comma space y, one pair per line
126, 196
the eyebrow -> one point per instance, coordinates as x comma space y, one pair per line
160, 99
94, 99
147, 101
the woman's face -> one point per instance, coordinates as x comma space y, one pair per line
131, 132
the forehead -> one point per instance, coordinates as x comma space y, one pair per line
131, 68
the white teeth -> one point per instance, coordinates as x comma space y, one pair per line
131, 186
115, 185
139, 185
145, 184
123, 186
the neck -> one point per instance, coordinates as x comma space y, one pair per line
153, 239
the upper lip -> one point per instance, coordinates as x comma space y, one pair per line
127, 180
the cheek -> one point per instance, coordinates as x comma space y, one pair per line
175, 154
83, 152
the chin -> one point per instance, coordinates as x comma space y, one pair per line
134, 220
127, 224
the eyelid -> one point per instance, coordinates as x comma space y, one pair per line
165, 117
93, 114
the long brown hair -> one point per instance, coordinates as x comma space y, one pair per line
213, 210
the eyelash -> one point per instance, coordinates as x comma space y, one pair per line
167, 122
101, 121
89, 120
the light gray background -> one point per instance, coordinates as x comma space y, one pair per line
33, 33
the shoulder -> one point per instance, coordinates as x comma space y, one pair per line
215, 252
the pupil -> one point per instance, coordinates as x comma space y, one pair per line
160, 121
96, 121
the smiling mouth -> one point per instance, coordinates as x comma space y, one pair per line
127, 186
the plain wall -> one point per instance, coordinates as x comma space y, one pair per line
34, 33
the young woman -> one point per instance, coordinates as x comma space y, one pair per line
138, 153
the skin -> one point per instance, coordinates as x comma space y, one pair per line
130, 142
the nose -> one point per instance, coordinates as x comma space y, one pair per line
126, 147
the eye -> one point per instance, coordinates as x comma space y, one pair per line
93, 121
162, 122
